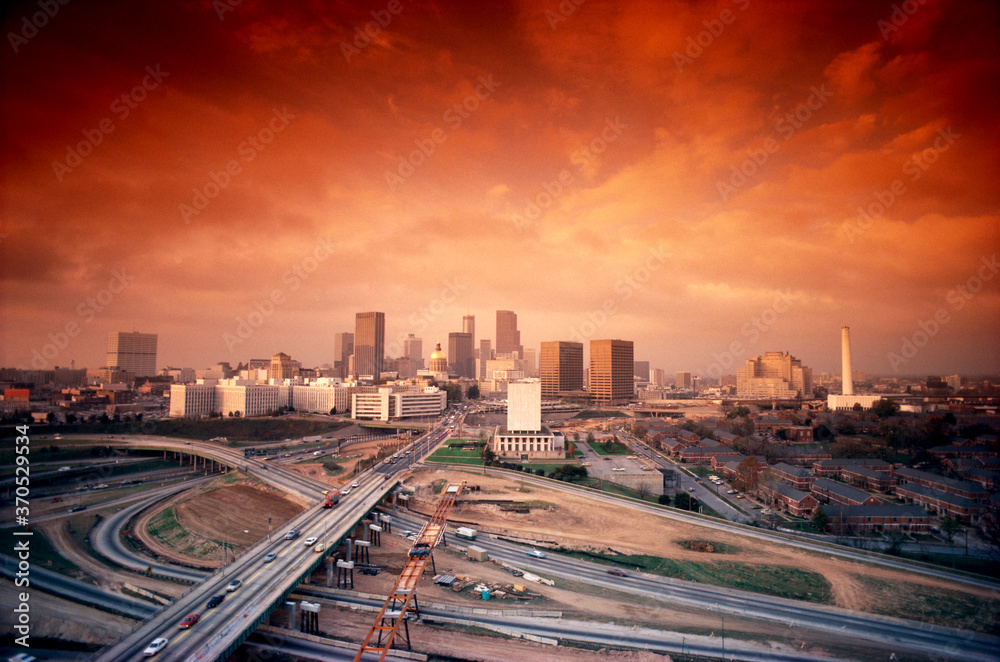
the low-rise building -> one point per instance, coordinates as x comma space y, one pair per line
830, 467
704, 453
798, 477
862, 476
942, 503
803, 457
882, 518
839, 493
786, 497
961, 488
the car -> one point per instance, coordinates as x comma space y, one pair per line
64, 469
420, 552
76, 509
233, 585
22, 657
215, 601
270, 557
155, 647
318, 548
345, 491
690, 489
311, 541
536, 553
355, 484
292, 535
189, 620
617, 573
368, 571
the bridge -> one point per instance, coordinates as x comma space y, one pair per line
265, 586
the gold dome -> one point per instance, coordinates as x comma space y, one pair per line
437, 353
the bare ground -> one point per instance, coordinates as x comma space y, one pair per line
53, 617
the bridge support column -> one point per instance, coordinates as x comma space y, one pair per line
291, 616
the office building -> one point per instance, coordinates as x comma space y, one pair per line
775, 375
387, 403
641, 370
483, 354
508, 337
413, 349
460, 351
683, 380
524, 436
282, 367
469, 325
611, 371
132, 352
369, 344
561, 368
343, 347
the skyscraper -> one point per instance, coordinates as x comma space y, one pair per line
469, 326
282, 367
484, 354
369, 344
413, 349
508, 337
611, 371
683, 379
343, 347
774, 375
561, 367
133, 352
460, 350
641, 370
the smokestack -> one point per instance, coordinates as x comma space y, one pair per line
847, 376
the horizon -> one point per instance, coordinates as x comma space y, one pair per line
655, 172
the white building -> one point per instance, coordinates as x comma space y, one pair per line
524, 437
524, 406
388, 403
192, 400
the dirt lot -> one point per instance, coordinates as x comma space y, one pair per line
575, 522
55, 618
349, 458
210, 515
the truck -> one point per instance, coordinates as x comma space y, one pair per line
332, 499
466, 532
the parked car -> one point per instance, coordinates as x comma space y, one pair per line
270, 557
233, 585
189, 620
215, 601
155, 647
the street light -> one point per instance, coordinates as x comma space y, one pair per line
723, 617
224, 551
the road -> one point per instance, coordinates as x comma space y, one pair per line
951, 643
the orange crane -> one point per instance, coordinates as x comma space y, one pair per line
403, 597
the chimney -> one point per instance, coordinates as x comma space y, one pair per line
847, 375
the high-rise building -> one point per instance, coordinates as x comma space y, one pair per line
561, 367
656, 376
282, 367
524, 406
530, 362
469, 325
343, 347
611, 371
413, 349
463, 362
774, 375
683, 379
369, 344
132, 352
641, 370
508, 337
484, 354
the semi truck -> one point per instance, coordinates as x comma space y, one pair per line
466, 532
332, 499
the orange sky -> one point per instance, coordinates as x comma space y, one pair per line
581, 168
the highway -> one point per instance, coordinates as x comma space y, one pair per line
948, 642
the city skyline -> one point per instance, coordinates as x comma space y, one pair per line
243, 184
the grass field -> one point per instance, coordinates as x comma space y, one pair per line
778, 581
42, 553
933, 605
454, 456
609, 448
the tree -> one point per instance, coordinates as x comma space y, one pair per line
885, 408
949, 527
333, 411
473, 392
639, 431
642, 490
820, 519
685, 501
663, 499
590, 437
747, 475
488, 455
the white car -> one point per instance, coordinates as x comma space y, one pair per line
355, 484
536, 554
311, 541
155, 647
